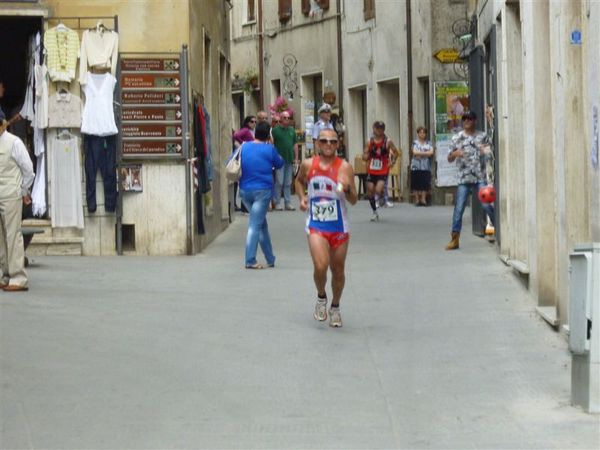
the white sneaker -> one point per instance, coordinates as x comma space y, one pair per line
375, 217
335, 317
389, 204
320, 313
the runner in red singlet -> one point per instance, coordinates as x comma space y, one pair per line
380, 153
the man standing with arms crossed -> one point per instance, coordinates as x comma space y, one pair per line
16, 177
330, 182
284, 139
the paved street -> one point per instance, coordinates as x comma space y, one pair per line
438, 350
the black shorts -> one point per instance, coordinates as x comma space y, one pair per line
376, 178
420, 180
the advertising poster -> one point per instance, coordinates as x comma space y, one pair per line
451, 102
130, 178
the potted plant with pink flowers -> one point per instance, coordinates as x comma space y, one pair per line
279, 106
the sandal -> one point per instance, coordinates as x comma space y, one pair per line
255, 266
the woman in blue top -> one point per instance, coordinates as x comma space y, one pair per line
256, 190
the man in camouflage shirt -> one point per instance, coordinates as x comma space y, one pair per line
468, 149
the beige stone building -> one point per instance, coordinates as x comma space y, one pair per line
542, 78
164, 218
299, 55
384, 80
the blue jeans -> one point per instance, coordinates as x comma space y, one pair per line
462, 195
257, 203
283, 177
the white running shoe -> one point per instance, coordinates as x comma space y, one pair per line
335, 317
320, 313
389, 204
375, 217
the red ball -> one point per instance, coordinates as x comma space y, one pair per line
487, 194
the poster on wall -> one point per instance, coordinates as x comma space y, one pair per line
451, 102
130, 178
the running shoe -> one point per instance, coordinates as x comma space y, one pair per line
375, 217
320, 313
335, 317
389, 204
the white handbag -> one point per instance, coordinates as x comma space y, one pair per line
233, 169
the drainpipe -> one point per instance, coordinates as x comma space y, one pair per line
261, 68
409, 70
340, 59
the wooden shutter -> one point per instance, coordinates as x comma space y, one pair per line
251, 11
305, 7
324, 4
285, 10
369, 9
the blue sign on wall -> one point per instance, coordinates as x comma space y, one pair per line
576, 37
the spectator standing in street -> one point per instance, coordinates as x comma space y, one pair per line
244, 134
420, 167
324, 121
379, 153
256, 190
262, 116
16, 177
468, 148
284, 138
330, 182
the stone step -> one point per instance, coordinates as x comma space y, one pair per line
54, 241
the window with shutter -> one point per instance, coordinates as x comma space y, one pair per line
305, 7
285, 10
251, 15
369, 9
324, 4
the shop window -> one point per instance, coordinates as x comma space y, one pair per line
369, 9
285, 10
250, 11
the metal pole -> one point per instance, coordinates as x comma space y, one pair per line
118, 114
185, 116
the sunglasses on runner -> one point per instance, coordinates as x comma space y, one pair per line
328, 141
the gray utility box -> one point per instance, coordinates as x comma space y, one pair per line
584, 326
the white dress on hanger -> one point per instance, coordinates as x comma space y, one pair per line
66, 202
98, 115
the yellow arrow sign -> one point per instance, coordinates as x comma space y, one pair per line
446, 55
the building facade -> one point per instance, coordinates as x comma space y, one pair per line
164, 214
541, 77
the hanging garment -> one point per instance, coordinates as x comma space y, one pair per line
62, 51
27, 110
99, 50
209, 164
38, 193
64, 110
98, 114
101, 153
66, 209
200, 169
41, 96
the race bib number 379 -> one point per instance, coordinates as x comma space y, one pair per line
324, 211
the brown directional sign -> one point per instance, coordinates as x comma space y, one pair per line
151, 147
150, 131
146, 65
150, 80
135, 114
151, 98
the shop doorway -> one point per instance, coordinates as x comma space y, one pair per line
17, 31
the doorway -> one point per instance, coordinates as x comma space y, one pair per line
17, 31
